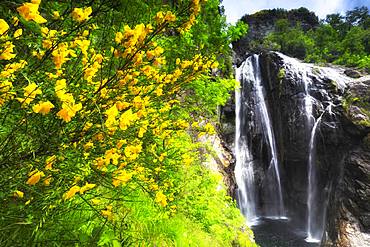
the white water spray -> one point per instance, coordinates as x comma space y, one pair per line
244, 171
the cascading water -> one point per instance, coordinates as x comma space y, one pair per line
250, 74
316, 216
277, 211
314, 229
316, 204
244, 171
294, 102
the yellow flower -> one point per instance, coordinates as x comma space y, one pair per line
170, 17
122, 178
15, 21
95, 201
60, 55
35, 178
47, 181
126, 119
18, 194
159, 17
4, 27
161, 199
30, 93
44, 31
7, 51
71, 192
32, 89
80, 14
210, 129
132, 152
162, 157
18, 33
29, 11
49, 162
108, 212
187, 159
43, 107
111, 113
118, 38
56, 15
86, 187
47, 44
214, 65
64, 114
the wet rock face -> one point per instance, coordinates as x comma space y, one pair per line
286, 100
349, 225
342, 148
349, 219
352, 73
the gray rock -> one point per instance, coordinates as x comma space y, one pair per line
343, 157
352, 73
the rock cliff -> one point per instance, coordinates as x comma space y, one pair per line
342, 143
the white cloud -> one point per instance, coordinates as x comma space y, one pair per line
235, 9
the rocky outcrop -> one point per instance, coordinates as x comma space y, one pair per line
220, 160
353, 215
342, 146
349, 219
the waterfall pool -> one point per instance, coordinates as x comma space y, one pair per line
280, 233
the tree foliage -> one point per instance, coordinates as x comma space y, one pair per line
102, 104
338, 39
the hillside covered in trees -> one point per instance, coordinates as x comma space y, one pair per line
338, 39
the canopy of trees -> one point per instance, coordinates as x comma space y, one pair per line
338, 39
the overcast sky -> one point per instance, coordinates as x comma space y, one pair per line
234, 9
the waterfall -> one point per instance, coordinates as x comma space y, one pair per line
315, 214
302, 98
316, 203
314, 230
303, 74
249, 74
274, 182
244, 172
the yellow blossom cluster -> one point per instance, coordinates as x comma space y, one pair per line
161, 199
194, 11
162, 17
30, 93
7, 76
30, 11
77, 189
131, 39
35, 177
62, 54
81, 14
6, 51
69, 107
43, 107
4, 27
49, 37
130, 128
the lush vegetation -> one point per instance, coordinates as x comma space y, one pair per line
337, 39
101, 107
